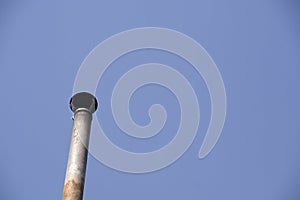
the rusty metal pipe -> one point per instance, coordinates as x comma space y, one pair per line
83, 105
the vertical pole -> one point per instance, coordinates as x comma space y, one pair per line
83, 105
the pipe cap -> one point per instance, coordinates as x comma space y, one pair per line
83, 100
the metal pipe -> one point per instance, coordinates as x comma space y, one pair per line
83, 105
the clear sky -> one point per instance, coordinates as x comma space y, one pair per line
256, 47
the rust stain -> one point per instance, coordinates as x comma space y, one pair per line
73, 191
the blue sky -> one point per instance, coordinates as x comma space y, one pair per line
255, 45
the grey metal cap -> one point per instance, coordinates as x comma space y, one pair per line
83, 100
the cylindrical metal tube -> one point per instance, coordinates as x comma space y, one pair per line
75, 173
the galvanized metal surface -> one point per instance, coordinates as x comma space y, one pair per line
76, 168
